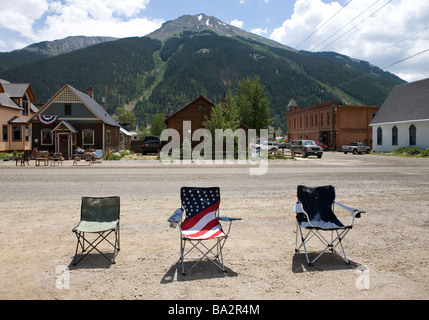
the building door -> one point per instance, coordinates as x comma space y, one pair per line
64, 145
325, 138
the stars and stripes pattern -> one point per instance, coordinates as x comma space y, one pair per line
201, 205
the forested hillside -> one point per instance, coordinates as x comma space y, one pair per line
151, 76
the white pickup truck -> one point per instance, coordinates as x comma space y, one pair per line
356, 148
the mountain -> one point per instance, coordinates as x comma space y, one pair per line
201, 55
202, 23
48, 49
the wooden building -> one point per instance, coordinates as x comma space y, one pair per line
331, 123
195, 113
73, 119
16, 109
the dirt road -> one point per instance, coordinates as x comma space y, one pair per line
41, 205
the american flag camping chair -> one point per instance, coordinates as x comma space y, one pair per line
201, 223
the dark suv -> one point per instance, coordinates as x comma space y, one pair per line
306, 148
151, 144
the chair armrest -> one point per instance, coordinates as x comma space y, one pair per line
298, 208
226, 219
356, 213
175, 218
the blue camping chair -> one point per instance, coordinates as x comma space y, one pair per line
200, 224
315, 213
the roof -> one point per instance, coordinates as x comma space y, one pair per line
90, 103
65, 124
6, 101
406, 102
17, 120
126, 132
188, 105
95, 107
15, 90
292, 103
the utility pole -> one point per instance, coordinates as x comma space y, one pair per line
105, 97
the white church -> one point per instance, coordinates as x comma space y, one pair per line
403, 119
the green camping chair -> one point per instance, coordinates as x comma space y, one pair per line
99, 216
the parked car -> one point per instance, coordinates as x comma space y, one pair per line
356, 148
284, 145
268, 145
306, 148
323, 146
151, 144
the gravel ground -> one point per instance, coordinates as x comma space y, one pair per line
388, 247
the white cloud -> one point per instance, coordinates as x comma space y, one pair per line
366, 35
260, 31
19, 16
53, 19
237, 23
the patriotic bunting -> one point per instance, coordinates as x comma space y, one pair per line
47, 120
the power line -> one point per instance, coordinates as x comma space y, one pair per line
356, 25
345, 25
374, 54
323, 25
365, 75
414, 55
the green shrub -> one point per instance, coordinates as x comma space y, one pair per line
425, 153
408, 151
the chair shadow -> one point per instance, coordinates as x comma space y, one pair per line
204, 270
92, 261
326, 262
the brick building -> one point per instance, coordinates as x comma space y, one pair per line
331, 123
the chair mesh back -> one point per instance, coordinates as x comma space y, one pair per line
100, 209
198, 200
317, 202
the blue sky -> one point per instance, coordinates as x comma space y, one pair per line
391, 34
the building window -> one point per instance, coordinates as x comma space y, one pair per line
46, 137
327, 119
395, 136
16, 133
88, 137
24, 106
379, 136
4, 132
201, 108
108, 137
27, 133
413, 135
67, 109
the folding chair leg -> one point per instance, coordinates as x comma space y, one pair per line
218, 245
331, 246
81, 240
